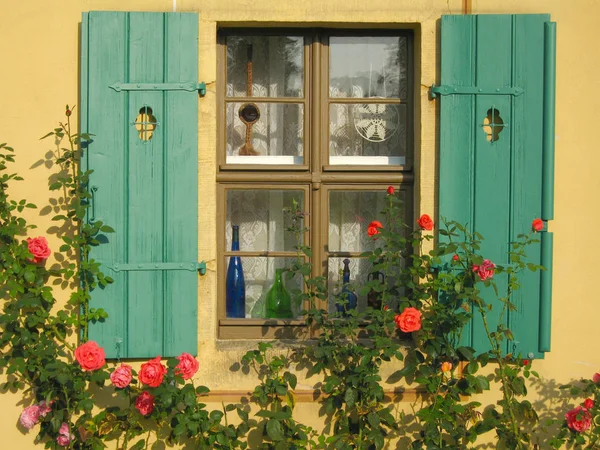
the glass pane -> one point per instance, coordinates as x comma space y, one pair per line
366, 67
261, 217
276, 63
259, 276
367, 134
276, 136
350, 213
360, 273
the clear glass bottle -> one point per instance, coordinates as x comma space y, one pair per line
235, 287
279, 302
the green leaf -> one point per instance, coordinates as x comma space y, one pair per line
275, 430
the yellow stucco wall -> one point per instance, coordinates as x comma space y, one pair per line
39, 73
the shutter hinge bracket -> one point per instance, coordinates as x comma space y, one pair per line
191, 266
472, 90
190, 86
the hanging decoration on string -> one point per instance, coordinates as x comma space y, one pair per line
376, 122
249, 112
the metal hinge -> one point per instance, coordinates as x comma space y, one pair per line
472, 90
191, 266
190, 86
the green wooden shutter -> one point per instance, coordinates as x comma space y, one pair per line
503, 63
145, 190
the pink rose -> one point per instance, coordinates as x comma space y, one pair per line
373, 228
30, 416
90, 356
485, 270
145, 403
579, 419
589, 403
409, 320
44, 408
152, 372
187, 367
596, 378
121, 376
38, 247
537, 225
64, 435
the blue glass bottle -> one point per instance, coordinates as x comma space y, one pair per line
347, 297
235, 288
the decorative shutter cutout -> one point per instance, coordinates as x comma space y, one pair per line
496, 186
146, 189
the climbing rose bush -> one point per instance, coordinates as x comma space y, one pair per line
425, 222
409, 320
90, 356
121, 376
187, 367
39, 248
144, 403
485, 270
152, 372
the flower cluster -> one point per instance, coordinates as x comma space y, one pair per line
64, 435
31, 415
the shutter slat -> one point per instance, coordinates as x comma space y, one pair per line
145, 209
106, 156
181, 200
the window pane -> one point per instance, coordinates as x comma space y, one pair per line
365, 67
277, 66
259, 276
261, 218
350, 213
367, 134
276, 137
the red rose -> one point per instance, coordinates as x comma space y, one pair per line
425, 222
537, 225
152, 372
525, 362
455, 258
589, 403
390, 190
579, 419
38, 247
409, 320
596, 378
121, 376
90, 356
485, 270
187, 367
145, 403
374, 228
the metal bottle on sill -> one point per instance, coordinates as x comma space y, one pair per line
279, 302
348, 298
235, 287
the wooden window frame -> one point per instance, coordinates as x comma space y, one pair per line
315, 177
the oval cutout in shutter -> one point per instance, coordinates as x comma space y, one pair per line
145, 123
493, 125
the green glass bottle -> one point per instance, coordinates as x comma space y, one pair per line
279, 302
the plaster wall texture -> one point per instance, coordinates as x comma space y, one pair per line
39, 49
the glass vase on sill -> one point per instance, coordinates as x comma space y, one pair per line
235, 287
279, 302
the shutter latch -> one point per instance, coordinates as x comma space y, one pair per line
472, 90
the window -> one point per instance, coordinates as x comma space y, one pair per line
324, 118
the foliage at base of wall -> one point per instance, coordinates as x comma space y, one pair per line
431, 298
